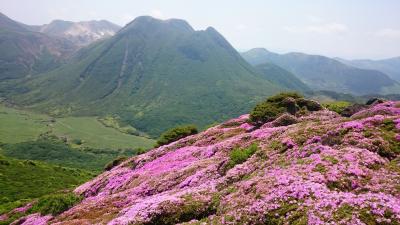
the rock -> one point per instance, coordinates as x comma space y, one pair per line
374, 101
311, 105
284, 120
290, 104
353, 109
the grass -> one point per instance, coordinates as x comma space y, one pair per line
26, 179
21, 126
337, 106
240, 155
17, 125
55, 204
57, 152
94, 134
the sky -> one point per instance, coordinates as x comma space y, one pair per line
337, 28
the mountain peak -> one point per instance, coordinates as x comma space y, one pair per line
9, 24
81, 33
148, 22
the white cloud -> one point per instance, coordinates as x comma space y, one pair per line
388, 33
241, 27
314, 19
326, 28
156, 13
292, 29
126, 18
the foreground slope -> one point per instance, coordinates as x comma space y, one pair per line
154, 74
322, 169
323, 73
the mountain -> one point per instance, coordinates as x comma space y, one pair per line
282, 77
326, 169
153, 74
80, 33
391, 66
323, 73
25, 53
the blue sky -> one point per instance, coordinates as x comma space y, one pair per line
336, 28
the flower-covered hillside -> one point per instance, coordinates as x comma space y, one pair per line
313, 168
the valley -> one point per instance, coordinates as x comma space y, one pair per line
21, 125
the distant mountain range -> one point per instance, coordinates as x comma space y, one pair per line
80, 33
389, 66
323, 73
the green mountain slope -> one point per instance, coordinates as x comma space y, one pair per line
391, 66
323, 73
25, 53
154, 74
25, 179
280, 76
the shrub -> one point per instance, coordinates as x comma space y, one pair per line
239, 155
337, 106
175, 134
55, 204
278, 98
265, 112
274, 106
132, 131
115, 163
77, 141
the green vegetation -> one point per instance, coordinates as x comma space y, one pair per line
389, 133
191, 209
94, 134
83, 132
282, 77
279, 98
239, 155
55, 204
26, 179
176, 133
277, 105
52, 150
115, 122
265, 112
337, 106
115, 163
286, 212
17, 125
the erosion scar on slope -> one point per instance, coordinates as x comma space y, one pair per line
123, 66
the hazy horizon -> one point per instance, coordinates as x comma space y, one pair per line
352, 29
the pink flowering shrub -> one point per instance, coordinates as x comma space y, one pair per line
324, 169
